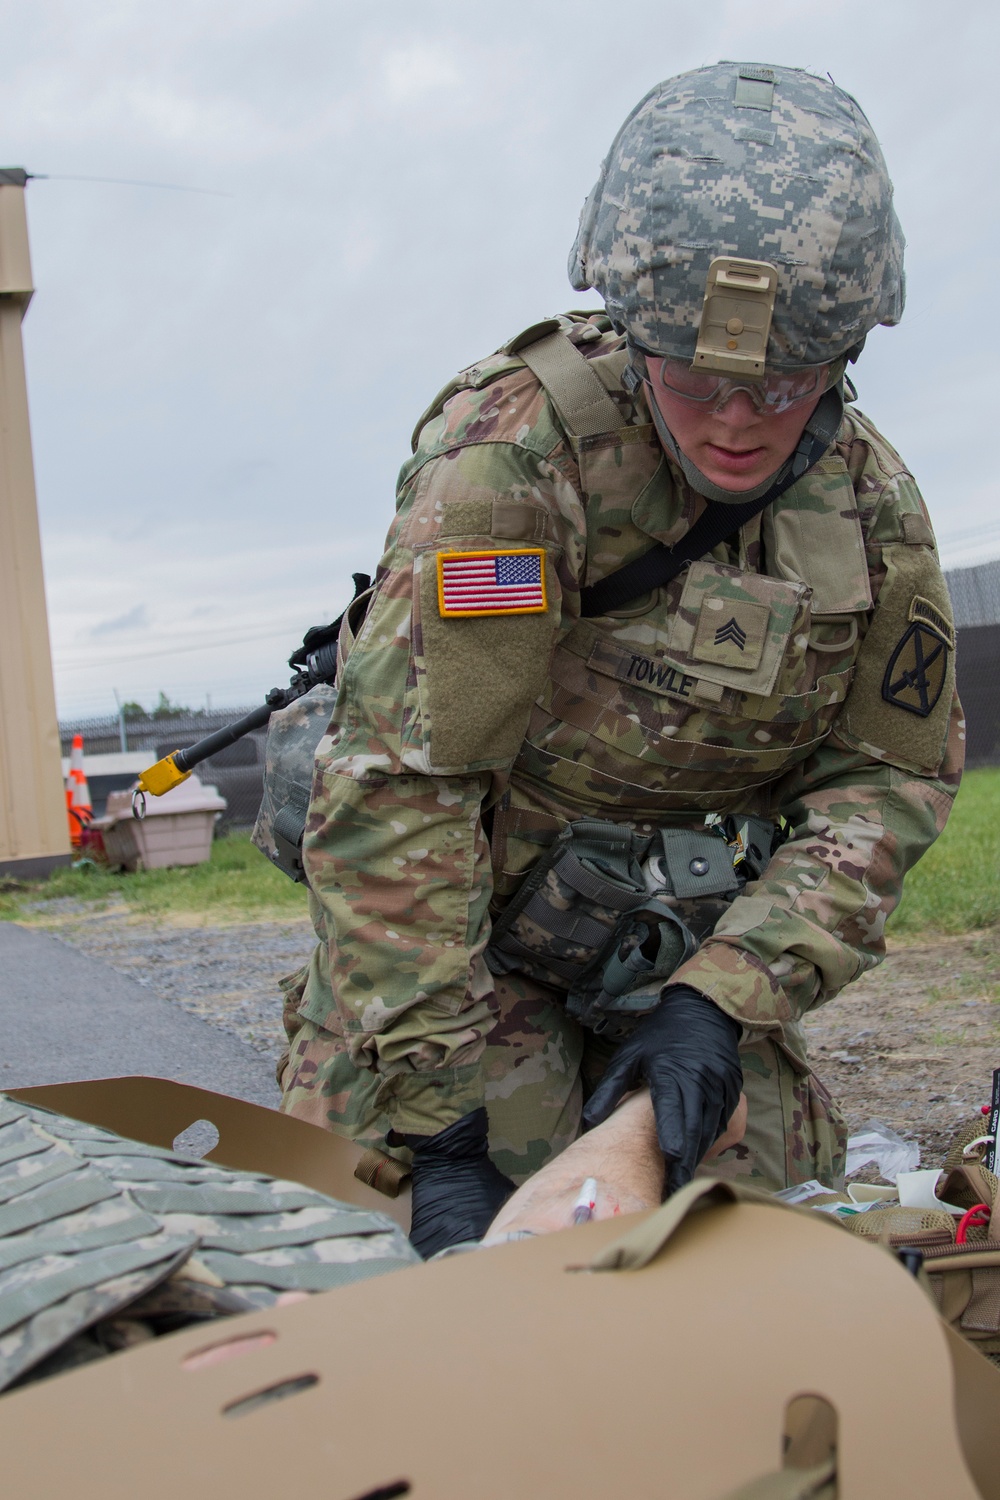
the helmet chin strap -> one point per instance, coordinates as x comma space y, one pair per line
817, 435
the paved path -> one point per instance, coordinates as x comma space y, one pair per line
224, 973
66, 1016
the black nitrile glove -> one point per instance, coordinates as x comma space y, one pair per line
687, 1051
457, 1191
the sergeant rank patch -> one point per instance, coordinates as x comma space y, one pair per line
491, 583
731, 632
916, 672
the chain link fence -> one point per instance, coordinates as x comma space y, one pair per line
237, 771
975, 597
109, 734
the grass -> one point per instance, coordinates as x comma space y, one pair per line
956, 886
236, 882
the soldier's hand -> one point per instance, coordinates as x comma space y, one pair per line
456, 1188
687, 1051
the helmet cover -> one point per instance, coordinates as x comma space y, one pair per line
765, 163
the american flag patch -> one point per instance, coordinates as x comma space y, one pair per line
491, 583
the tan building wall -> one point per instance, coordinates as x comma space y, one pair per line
33, 828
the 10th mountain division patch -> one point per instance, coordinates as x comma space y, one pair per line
917, 669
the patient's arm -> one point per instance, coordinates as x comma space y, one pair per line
624, 1157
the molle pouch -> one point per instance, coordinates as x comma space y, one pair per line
608, 914
353, 618
568, 910
752, 841
292, 737
739, 630
690, 880
616, 992
704, 870
963, 1272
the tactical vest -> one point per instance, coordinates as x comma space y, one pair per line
693, 699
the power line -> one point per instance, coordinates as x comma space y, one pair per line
972, 531
170, 187
65, 661
961, 540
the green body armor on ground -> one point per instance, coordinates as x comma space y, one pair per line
107, 1242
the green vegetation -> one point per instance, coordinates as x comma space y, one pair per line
164, 709
954, 889
236, 883
956, 886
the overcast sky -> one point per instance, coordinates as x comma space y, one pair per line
223, 383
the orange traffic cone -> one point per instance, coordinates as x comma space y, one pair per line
78, 805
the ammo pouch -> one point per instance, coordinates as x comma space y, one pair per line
608, 914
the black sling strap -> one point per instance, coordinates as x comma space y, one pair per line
717, 523
660, 564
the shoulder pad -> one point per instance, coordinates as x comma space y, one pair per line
531, 335
581, 327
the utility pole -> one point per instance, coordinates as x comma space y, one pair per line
34, 834
122, 733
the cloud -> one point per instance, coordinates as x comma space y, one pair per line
134, 619
411, 72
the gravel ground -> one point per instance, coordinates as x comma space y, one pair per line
913, 1044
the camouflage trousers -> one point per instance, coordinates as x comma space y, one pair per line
540, 1067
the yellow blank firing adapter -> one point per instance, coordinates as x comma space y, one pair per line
736, 316
160, 778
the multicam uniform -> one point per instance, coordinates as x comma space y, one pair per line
801, 672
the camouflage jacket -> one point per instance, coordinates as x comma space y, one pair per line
803, 671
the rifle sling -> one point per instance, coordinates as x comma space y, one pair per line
717, 523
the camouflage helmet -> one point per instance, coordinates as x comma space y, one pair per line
764, 163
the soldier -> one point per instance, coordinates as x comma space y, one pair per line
652, 707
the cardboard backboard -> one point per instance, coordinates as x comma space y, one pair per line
516, 1371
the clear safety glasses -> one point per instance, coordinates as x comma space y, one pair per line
776, 392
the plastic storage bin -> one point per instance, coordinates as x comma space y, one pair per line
177, 828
